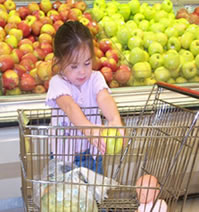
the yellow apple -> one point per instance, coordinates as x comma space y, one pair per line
48, 28
10, 5
14, 19
45, 5
44, 70
17, 33
113, 144
2, 34
11, 40
4, 48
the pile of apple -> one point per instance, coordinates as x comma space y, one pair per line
158, 46
26, 41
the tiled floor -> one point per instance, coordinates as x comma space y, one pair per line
192, 205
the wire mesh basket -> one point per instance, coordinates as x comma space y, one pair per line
147, 168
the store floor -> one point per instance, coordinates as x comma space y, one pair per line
191, 206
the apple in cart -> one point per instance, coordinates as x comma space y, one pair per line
160, 206
113, 144
146, 195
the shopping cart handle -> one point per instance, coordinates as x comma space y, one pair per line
179, 89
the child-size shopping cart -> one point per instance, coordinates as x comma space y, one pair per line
148, 172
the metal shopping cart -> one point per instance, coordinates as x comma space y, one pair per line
160, 142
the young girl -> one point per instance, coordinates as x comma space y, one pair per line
77, 86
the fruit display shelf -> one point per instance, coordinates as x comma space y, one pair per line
124, 96
128, 94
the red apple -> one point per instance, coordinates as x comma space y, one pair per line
57, 24
32, 38
81, 5
182, 13
2, 22
39, 89
112, 53
5, 48
44, 70
45, 38
26, 29
27, 82
98, 52
46, 20
26, 48
39, 53
96, 63
10, 79
114, 84
16, 55
88, 16
107, 73
9, 26
93, 27
105, 44
30, 56
193, 19
25, 40
56, 4
38, 14
55, 18
6, 62
64, 15
123, 74
46, 47
196, 11
36, 27
28, 64
19, 69
109, 62
2, 34
23, 12
74, 14
63, 7
33, 6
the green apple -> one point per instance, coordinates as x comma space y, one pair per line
138, 17
193, 28
142, 70
160, 14
150, 81
157, 6
155, 47
156, 60
118, 46
165, 22
110, 28
171, 31
174, 43
144, 25
149, 13
117, 17
97, 13
197, 61
146, 55
111, 10
184, 21
138, 82
148, 38
186, 56
123, 35
181, 27
171, 60
161, 38
167, 5
113, 143
114, 39
171, 81
194, 47
15, 91
186, 40
135, 41
130, 81
194, 79
181, 79
157, 27
137, 32
189, 70
143, 7
125, 11
176, 72
134, 5
162, 74
99, 4
131, 25
137, 55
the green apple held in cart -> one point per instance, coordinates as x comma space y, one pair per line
113, 144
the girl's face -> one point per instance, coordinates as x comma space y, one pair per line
80, 69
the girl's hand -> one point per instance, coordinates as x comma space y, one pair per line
96, 139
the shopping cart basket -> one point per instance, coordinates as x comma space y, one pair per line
160, 142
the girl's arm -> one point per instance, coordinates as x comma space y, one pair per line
109, 108
77, 118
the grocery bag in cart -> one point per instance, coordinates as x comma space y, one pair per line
148, 172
